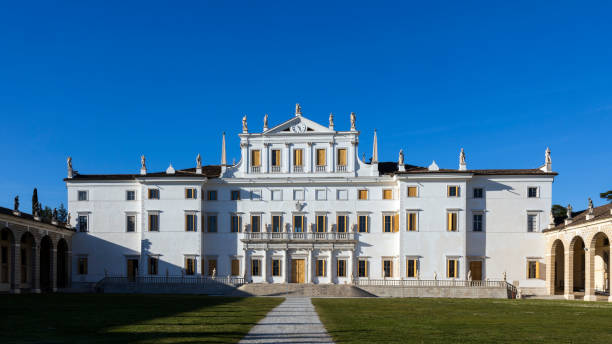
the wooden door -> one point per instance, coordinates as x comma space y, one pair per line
132, 269
476, 268
298, 271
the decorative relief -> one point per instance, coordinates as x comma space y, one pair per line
298, 128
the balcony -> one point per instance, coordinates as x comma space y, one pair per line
297, 236
276, 169
341, 168
298, 169
255, 169
320, 168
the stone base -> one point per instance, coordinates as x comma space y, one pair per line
15, 291
569, 296
590, 298
36, 291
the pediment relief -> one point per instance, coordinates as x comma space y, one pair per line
298, 125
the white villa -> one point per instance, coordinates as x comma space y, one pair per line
301, 207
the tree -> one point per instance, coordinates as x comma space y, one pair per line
62, 214
559, 212
606, 195
46, 214
34, 201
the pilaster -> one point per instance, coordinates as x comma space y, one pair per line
16, 268
589, 268
53, 269
569, 275
36, 269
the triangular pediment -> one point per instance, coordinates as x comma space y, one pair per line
298, 125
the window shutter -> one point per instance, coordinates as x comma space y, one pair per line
448, 263
367, 224
450, 221
396, 223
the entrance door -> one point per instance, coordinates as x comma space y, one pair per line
132, 269
476, 268
298, 271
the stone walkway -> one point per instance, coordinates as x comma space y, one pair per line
293, 321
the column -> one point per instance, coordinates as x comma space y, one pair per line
246, 158
69, 269
53, 269
351, 267
331, 159
308, 159
352, 162
287, 266
589, 269
16, 268
247, 266
550, 272
569, 274
264, 266
36, 268
266, 161
309, 267
333, 266
287, 160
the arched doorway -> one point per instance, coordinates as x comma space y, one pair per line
26, 263
578, 263
558, 259
62, 264
6, 259
600, 276
46, 259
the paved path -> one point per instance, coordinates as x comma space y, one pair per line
293, 321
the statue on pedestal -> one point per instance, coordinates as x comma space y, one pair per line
16, 204
244, 124
353, 120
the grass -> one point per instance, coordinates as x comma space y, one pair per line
103, 318
465, 321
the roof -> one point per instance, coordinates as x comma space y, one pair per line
599, 213
391, 168
29, 217
209, 171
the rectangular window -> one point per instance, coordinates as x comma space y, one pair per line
298, 195
276, 195
532, 192
130, 195
362, 194
255, 267
255, 223
130, 225
342, 195
235, 195
477, 223
387, 194
321, 195
189, 266
298, 223
321, 268
535, 269
235, 223
411, 222
256, 158
276, 158
342, 157
412, 191
532, 223
83, 223
235, 267
82, 195
363, 223
362, 268
153, 222
191, 193
276, 267
390, 223
211, 223
321, 157
452, 268
387, 268
298, 157
153, 193
341, 268
190, 222
277, 224
153, 265
256, 195
451, 221
411, 267
478, 192
452, 191
212, 267
342, 223
212, 195
83, 266
321, 223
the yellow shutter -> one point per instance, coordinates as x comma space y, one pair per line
367, 224
452, 222
396, 223
448, 264
415, 268
537, 273
255, 158
342, 157
297, 157
320, 157
187, 222
390, 268
388, 194
412, 191
363, 194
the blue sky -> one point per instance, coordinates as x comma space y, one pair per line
108, 81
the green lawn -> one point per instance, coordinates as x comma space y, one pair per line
465, 321
97, 318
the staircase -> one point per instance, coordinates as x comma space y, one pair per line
300, 290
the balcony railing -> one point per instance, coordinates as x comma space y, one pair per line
298, 169
341, 168
298, 236
255, 169
276, 169
320, 168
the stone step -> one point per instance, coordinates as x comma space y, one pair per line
301, 290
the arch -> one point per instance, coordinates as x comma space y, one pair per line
46, 261
599, 274
26, 262
577, 265
558, 267
7, 252
62, 264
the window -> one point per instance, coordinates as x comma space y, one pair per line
321, 223
452, 268
256, 158
130, 224
321, 195
298, 195
277, 195
477, 223
532, 223
452, 191
532, 192
190, 222
342, 195
341, 268
256, 195
342, 157
82, 195
412, 191
390, 223
235, 267
321, 268
535, 269
362, 268
153, 222
255, 223
189, 266
153, 193
298, 223
387, 268
277, 224
130, 195
235, 195
342, 223
211, 223
255, 267
387, 194
82, 266
235, 223
212, 195
363, 222
298, 157
321, 157
153, 265
411, 267
276, 267
276, 158
83, 223
212, 267
191, 193
451, 221
477, 192
411, 221
362, 194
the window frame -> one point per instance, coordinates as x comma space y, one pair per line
409, 215
384, 267
153, 194
190, 266
318, 156
412, 263
258, 216
454, 263
449, 221
256, 267
365, 268
536, 222
302, 222
150, 227
127, 195
367, 223
298, 156
536, 189
254, 153
387, 194
235, 195
478, 193
277, 270
273, 219
416, 191
237, 266
152, 269
211, 195
82, 192
319, 223
297, 192
453, 187
191, 193
344, 155
341, 262
237, 222
361, 193
83, 265
79, 222
212, 223
127, 222
538, 269
346, 223
276, 159
475, 228
321, 267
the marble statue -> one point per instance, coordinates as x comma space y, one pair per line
469, 277
16, 205
353, 120
265, 121
331, 120
298, 109
68, 219
435, 276
214, 273
244, 124
143, 161
590, 206
505, 276
199, 160
462, 157
69, 162
569, 211
400, 160
54, 216
548, 160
